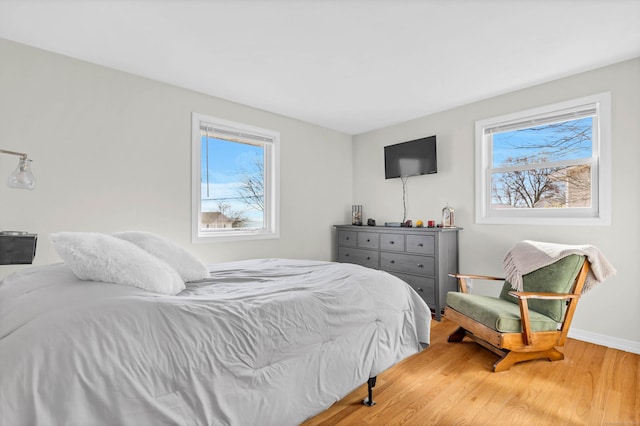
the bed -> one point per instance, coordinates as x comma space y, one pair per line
264, 341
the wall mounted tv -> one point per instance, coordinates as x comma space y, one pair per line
417, 157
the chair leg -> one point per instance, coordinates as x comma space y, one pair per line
457, 336
510, 358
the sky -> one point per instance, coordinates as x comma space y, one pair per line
504, 144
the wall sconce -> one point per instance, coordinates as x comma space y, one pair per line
21, 177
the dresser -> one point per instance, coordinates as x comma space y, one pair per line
422, 257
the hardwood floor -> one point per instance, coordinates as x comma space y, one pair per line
452, 384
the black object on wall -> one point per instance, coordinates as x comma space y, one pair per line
412, 158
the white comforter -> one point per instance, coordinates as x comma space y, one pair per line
263, 342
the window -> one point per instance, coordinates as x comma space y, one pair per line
549, 165
235, 180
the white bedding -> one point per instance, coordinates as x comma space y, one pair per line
269, 342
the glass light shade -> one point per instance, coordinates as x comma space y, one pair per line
22, 178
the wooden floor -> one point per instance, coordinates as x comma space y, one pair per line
452, 384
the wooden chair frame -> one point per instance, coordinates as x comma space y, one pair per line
524, 346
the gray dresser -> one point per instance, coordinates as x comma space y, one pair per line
422, 257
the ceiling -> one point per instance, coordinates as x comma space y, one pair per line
351, 65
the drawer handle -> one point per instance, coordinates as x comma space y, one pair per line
368, 240
368, 258
420, 289
420, 245
420, 265
393, 261
346, 255
346, 238
392, 242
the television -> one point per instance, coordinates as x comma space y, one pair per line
412, 158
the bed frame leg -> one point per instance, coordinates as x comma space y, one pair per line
370, 384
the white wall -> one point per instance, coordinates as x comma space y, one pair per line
609, 313
112, 151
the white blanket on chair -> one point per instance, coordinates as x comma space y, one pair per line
528, 256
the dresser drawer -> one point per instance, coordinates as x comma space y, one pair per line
368, 240
366, 258
421, 244
392, 242
424, 286
347, 238
421, 265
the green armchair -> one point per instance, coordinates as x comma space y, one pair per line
521, 326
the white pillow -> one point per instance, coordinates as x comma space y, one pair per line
187, 266
101, 257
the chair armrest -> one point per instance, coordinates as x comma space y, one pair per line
475, 277
546, 296
523, 297
462, 280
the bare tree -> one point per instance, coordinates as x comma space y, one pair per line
251, 189
525, 188
223, 207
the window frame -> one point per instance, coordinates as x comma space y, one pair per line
271, 145
600, 162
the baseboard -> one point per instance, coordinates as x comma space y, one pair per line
608, 341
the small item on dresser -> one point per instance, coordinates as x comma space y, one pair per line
431, 224
407, 224
356, 214
371, 222
419, 224
448, 217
